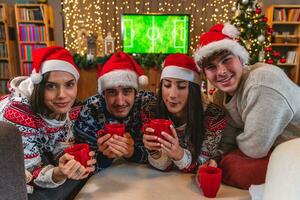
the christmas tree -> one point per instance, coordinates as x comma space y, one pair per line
255, 32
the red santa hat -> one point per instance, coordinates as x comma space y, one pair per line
182, 67
220, 37
53, 58
120, 70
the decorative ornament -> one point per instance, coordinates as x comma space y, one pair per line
276, 54
258, 11
249, 10
270, 30
242, 30
261, 38
249, 25
238, 23
268, 49
270, 61
91, 46
109, 44
283, 59
245, 2
264, 19
233, 9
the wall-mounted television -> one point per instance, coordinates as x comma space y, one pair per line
155, 33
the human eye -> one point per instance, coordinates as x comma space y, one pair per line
127, 91
111, 92
70, 84
50, 86
227, 60
182, 85
166, 84
210, 67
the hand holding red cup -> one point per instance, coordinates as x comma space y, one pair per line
113, 129
80, 153
159, 125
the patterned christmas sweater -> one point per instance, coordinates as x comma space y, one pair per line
215, 122
94, 115
39, 135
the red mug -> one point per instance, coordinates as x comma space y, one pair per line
80, 152
159, 125
210, 180
113, 129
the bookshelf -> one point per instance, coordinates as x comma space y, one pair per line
7, 61
285, 21
34, 24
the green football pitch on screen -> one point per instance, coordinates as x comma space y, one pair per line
155, 33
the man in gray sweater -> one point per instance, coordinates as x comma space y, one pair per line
261, 101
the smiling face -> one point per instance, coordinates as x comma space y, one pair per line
60, 92
175, 95
224, 72
119, 100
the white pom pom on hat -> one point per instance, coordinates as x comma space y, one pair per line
53, 58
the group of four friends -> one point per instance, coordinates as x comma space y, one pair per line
259, 111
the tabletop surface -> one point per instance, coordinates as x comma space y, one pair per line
129, 181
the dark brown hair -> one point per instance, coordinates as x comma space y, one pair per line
195, 116
37, 96
206, 60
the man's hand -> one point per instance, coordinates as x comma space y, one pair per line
121, 146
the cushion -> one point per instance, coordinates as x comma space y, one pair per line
241, 171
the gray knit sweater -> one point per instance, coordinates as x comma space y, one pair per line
264, 112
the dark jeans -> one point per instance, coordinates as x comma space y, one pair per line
67, 191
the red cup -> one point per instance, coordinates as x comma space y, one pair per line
80, 152
159, 125
113, 129
210, 180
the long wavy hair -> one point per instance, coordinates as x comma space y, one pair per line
195, 116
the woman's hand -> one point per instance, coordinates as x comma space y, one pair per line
150, 140
69, 168
170, 145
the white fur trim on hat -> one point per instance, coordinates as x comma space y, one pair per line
225, 44
230, 30
116, 78
59, 65
173, 71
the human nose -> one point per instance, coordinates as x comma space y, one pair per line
61, 92
120, 98
221, 69
173, 92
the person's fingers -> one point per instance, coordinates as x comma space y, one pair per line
174, 133
168, 138
91, 162
103, 138
165, 143
65, 158
212, 163
116, 151
149, 131
123, 149
91, 153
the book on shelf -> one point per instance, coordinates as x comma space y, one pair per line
291, 57
3, 50
4, 69
3, 87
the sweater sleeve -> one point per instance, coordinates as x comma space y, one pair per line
266, 114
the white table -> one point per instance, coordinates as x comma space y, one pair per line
128, 181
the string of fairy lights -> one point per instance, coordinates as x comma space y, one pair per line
86, 17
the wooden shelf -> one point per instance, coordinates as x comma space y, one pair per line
282, 20
7, 60
40, 17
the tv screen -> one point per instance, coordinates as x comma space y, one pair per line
155, 33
